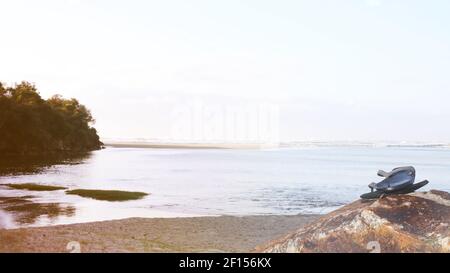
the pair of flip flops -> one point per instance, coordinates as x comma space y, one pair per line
398, 181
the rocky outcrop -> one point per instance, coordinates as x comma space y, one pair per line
417, 222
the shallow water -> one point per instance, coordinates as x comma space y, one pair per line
194, 182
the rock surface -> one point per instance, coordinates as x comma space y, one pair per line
417, 222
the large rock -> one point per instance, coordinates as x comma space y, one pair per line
417, 222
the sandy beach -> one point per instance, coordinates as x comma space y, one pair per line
203, 234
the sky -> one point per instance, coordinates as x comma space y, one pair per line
175, 70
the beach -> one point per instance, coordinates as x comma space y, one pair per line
196, 200
198, 234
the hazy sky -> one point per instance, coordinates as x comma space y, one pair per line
335, 70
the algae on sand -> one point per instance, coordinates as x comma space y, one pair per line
107, 195
34, 187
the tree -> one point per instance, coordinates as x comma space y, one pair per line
2, 90
30, 124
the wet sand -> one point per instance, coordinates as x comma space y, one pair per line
202, 234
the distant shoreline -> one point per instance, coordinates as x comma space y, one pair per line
252, 146
185, 145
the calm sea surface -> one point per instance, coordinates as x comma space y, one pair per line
194, 182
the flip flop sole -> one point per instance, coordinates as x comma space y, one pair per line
409, 189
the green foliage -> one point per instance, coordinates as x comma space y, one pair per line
32, 125
108, 195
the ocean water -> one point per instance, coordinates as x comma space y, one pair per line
199, 182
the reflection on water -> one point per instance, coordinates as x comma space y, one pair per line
17, 165
27, 212
24, 210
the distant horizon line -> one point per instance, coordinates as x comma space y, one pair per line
297, 143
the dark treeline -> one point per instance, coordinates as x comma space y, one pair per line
32, 125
